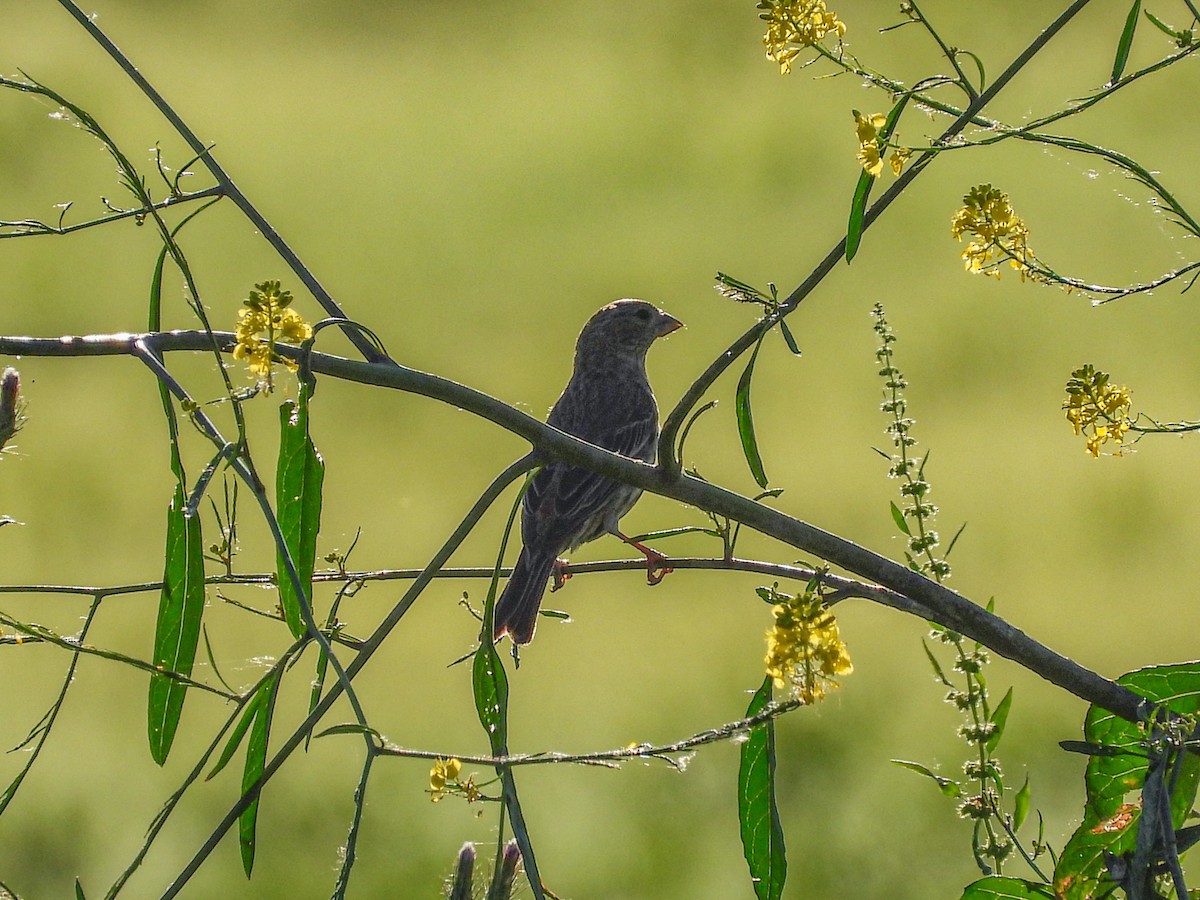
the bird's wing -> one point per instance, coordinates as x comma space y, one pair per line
562, 497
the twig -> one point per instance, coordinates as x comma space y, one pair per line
608, 758
370, 646
228, 188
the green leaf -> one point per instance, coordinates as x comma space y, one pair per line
1126, 42
898, 518
999, 717
79, 894
788, 338
490, 685
1021, 805
235, 738
862, 190
745, 420
858, 209
298, 480
978, 65
350, 728
1163, 26
937, 666
947, 786
177, 632
1110, 820
1002, 887
256, 761
772, 493
762, 833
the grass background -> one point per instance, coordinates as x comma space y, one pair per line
472, 180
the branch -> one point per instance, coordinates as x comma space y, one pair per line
675, 420
842, 588
228, 188
944, 606
610, 757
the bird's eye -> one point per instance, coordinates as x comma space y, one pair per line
643, 314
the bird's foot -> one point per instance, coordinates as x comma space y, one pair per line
656, 566
560, 574
656, 563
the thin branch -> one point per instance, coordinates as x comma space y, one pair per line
695, 393
46, 724
608, 758
844, 588
32, 227
370, 646
41, 634
228, 188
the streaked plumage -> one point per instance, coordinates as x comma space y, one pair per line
607, 402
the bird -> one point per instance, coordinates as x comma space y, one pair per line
607, 402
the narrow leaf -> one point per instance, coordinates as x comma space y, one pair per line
937, 666
947, 786
177, 633
858, 210
898, 518
235, 737
979, 66
350, 728
762, 833
999, 717
862, 190
1126, 42
789, 338
298, 480
1089, 749
256, 761
1162, 26
490, 684
745, 420
1021, 804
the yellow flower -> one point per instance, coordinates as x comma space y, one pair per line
871, 147
793, 25
444, 772
868, 127
804, 647
1000, 234
869, 159
1098, 411
267, 320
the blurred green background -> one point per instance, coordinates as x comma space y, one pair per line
472, 180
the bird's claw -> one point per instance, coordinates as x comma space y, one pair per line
656, 567
561, 575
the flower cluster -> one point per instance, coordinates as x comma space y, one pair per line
916, 519
267, 320
793, 25
871, 146
445, 778
804, 648
999, 234
1098, 410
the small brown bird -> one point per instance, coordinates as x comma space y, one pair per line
607, 402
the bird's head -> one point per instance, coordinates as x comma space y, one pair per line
625, 327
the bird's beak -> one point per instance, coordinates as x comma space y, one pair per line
668, 324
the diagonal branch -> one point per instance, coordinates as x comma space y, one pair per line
944, 606
228, 188
675, 420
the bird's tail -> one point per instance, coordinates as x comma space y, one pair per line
517, 609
